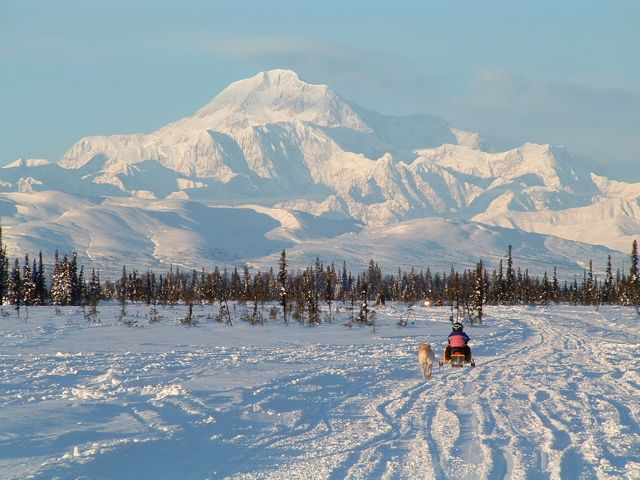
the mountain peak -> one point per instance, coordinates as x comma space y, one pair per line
268, 80
279, 75
279, 95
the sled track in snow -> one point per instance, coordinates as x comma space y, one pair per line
554, 395
437, 429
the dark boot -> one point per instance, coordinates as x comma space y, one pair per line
447, 353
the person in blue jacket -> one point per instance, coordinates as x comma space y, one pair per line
458, 339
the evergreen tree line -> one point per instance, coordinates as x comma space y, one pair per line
301, 292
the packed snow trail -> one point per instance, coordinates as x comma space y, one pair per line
556, 394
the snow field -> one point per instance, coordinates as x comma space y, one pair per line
556, 394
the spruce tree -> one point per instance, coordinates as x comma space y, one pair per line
4, 269
41, 287
81, 298
589, 290
555, 287
545, 290
94, 289
68, 281
510, 283
633, 272
479, 293
149, 289
123, 287
14, 287
282, 282
34, 278
61, 281
345, 279
634, 276
607, 290
74, 283
310, 296
498, 286
246, 284
28, 285
330, 287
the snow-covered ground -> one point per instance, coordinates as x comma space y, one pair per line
556, 394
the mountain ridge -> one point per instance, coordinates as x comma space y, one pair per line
275, 142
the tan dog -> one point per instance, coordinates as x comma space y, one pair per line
426, 357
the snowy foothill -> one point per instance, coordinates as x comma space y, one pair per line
555, 394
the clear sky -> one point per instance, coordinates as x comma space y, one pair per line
561, 72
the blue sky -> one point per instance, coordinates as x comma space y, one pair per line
560, 72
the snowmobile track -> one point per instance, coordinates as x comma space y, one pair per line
555, 395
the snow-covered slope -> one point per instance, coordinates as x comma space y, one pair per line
101, 400
137, 232
438, 244
612, 219
276, 141
147, 233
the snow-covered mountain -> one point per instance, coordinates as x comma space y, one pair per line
297, 153
143, 233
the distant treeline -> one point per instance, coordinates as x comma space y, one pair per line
302, 291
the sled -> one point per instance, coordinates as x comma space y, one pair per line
457, 360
